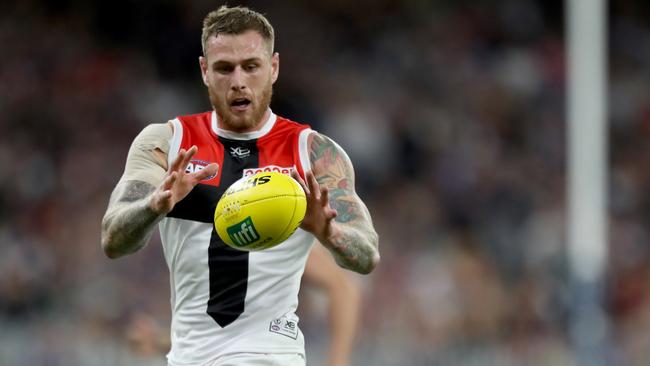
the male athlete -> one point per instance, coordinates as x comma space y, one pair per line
147, 338
232, 307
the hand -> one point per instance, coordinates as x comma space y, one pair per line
177, 183
319, 214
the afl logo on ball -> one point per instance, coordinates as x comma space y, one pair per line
196, 165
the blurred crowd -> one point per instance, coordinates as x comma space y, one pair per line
453, 113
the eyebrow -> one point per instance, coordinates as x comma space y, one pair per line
251, 59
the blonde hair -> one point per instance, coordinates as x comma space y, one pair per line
234, 21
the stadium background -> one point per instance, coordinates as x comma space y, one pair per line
452, 111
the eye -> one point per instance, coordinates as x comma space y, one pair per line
223, 68
251, 67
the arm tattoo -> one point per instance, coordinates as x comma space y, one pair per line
346, 210
129, 222
355, 249
356, 246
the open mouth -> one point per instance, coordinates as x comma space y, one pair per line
240, 103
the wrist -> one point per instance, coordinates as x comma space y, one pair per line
154, 205
329, 235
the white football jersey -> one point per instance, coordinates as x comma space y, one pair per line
226, 301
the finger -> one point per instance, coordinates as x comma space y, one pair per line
325, 196
165, 195
188, 156
169, 181
298, 178
313, 184
177, 162
209, 170
330, 213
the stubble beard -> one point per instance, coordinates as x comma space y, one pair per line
242, 123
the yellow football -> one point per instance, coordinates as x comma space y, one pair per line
260, 211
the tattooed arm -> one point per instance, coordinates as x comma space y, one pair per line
146, 192
335, 213
129, 220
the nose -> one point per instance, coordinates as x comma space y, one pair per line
237, 82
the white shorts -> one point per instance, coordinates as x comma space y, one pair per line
261, 359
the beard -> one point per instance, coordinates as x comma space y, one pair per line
248, 120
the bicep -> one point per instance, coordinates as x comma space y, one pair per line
333, 169
147, 157
145, 166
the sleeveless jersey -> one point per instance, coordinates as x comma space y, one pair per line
226, 301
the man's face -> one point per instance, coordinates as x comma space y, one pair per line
239, 72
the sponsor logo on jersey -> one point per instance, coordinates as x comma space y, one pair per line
243, 233
240, 152
287, 325
196, 165
269, 168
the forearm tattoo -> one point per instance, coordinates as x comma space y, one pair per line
129, 222
356, 247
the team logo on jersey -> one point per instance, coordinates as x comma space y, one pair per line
240, 152
196, 165
243, 233
269, 168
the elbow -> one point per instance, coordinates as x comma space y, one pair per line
108, 246
375, 258
111, 254
374, 262
109, 241
371, 265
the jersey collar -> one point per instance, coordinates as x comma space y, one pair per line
268, 125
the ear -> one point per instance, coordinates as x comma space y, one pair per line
275, 66
203, 63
